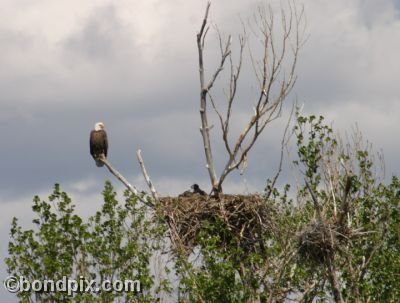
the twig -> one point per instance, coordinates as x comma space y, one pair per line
120, 177
284, 142
146, 176
267, 107
332, 192
316, 204
275, 86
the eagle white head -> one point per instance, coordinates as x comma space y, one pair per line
99, 126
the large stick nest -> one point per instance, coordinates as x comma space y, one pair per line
322, 239
243, 220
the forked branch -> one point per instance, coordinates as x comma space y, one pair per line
279, 54
129, 186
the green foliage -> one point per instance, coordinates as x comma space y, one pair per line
380, 214
116, 243
360, 211
216, 280
313, 139
225, 270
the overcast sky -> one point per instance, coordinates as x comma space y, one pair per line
133, 65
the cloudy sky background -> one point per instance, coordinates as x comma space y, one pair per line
133, 65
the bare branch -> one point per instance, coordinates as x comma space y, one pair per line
204, 36
267, 108
275, 86
146, 176
203, 25
120, 177
232, 91
224, 54
217, 112
234, 75
284, 142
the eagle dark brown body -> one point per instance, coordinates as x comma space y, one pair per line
98, 143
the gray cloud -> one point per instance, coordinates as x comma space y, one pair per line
144, 86
142, 81
134, 67
101, 38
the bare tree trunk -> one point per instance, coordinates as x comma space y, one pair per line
337, 295
205, 129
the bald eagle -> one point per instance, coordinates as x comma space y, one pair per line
98, 143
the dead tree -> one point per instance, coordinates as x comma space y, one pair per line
275, 72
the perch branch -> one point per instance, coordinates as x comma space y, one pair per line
146, 176
120, 177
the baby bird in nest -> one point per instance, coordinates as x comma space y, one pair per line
195, 190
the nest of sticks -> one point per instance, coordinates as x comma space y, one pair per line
242, 219
322, 239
